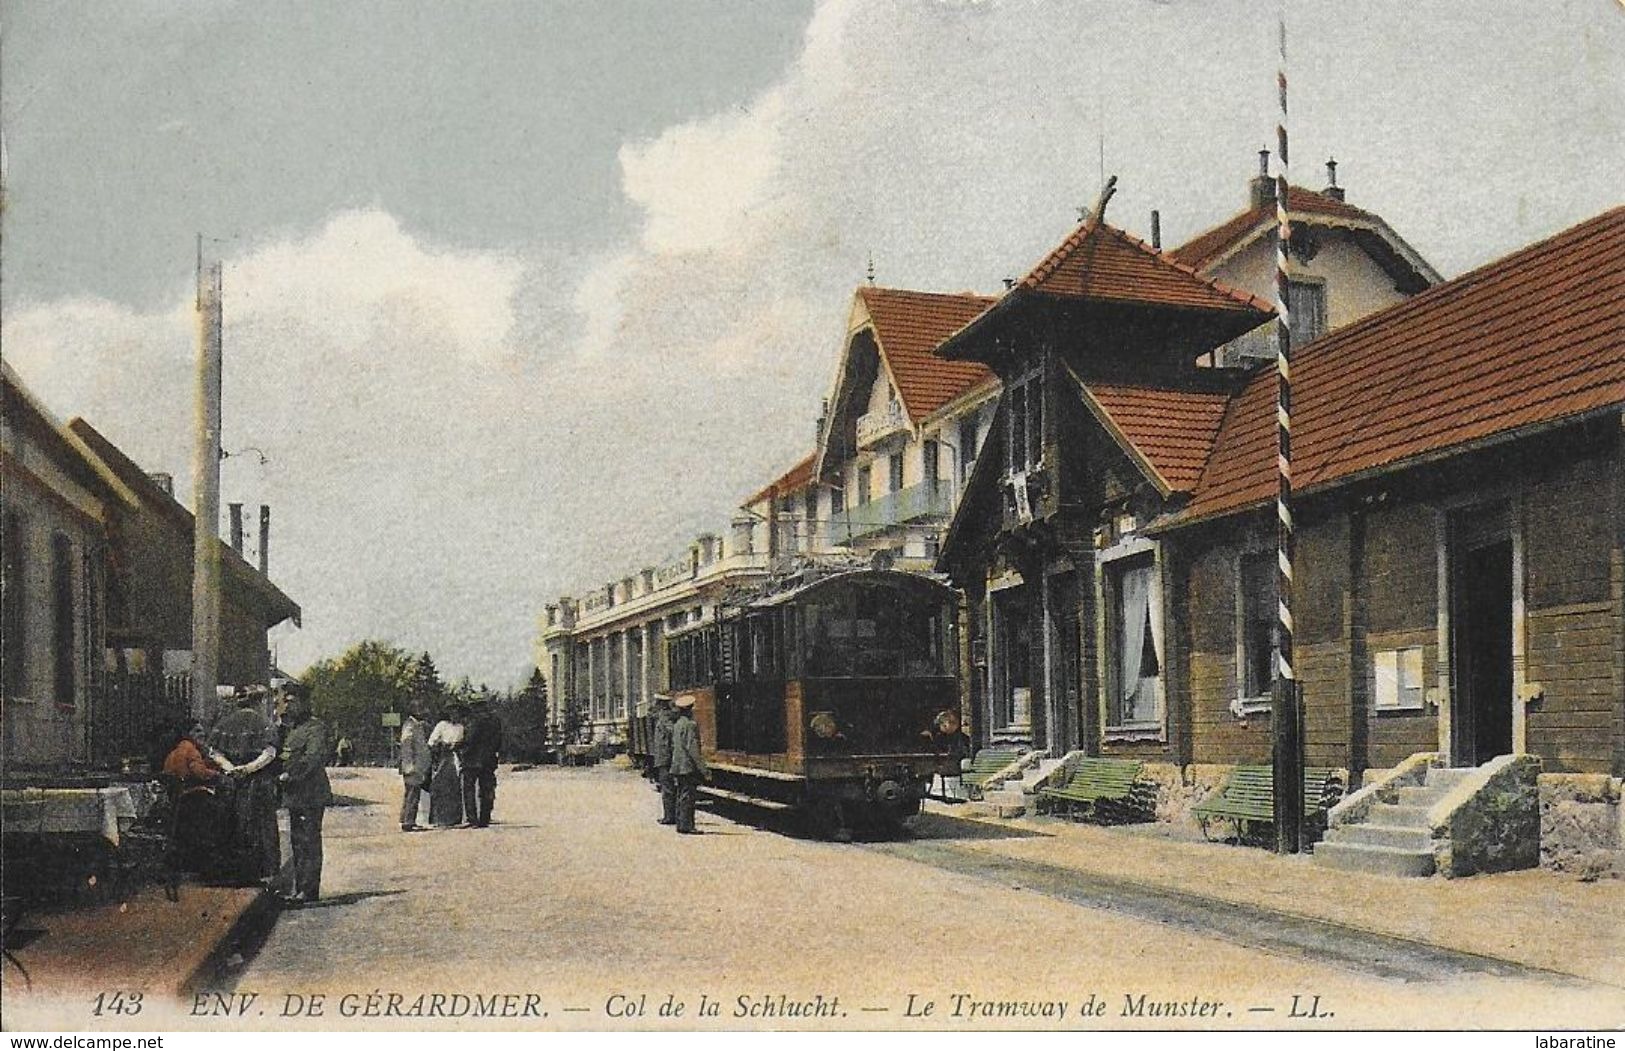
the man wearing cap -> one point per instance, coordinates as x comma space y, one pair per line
661, 753
687, 765
306, 791
482, 745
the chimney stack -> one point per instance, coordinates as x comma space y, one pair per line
1156, 230
1332, 190
1261, 191
236, 527
265, 540
163, 480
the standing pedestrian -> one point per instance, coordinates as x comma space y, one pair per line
446, 765
687, 765
306, 791
482, 746
415, 764
660, 752
244, 743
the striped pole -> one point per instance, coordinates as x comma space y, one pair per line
1286, 724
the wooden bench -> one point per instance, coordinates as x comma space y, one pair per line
1101, 787
1248, 798
987, 764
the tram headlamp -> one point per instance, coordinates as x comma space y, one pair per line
947, 722
824, 725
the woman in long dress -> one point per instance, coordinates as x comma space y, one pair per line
446, 779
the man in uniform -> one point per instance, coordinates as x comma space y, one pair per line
660, 752
244, 744
482, 746
306, 792
687, 765
414, 763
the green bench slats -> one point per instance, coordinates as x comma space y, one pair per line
1249, 796
987, 763
1111, 784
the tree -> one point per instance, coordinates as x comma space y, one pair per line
351, 692
524, 719
426, 680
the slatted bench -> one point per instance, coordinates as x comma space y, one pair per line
1101, 787
987, 764
1248, 798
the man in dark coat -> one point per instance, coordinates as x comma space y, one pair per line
687, 765
660, 754
482, 745
306, 791
244, 743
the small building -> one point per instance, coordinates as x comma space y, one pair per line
149, 611
61, 503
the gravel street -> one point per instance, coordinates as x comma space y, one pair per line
576, 910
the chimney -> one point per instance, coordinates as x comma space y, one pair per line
1261, 191
265, 540
163, 480
1332, 190
236, 527
1156, 230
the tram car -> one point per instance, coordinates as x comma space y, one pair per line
837, 697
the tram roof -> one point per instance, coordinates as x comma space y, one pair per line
855, 576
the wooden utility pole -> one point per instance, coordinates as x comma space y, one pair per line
206, 496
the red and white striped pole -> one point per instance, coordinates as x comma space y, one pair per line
1286, 728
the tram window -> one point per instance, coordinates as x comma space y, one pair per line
875, 632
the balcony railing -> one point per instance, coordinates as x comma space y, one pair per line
876, 427
925, 500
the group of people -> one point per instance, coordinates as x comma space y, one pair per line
678, 766
456, 762
227, 781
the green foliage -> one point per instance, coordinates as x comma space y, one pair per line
351, 691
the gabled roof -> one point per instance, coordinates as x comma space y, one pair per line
791, 481
908, 326
1101, 265
1534, 339
1168, 432
1105, 264
84, 464
166, 506
1212, 247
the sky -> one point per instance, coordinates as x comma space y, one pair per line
521, 297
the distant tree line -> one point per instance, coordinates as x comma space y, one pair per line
364, 692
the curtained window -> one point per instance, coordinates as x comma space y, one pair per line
1137, 643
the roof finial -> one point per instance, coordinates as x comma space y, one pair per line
871, 269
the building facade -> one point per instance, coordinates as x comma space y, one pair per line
61, 504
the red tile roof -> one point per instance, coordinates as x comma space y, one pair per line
1172, 431
909, 326
1205, 247
791, 481
1102, 263
1534, 338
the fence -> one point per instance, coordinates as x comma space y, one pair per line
137, 713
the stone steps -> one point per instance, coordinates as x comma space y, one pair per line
1405, 837
1377, 860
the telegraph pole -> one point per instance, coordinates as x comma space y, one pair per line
1286, 726
206, 495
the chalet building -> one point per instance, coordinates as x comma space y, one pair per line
149, 612
893, 450
60, 502
1460, 475
1098, 343
1346, 262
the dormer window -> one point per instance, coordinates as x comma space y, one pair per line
1306, 307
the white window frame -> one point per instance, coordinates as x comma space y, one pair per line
1243, 705
1395, 658
1106, 598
